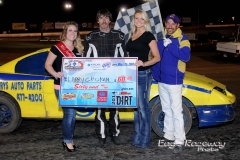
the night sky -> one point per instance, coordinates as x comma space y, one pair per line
35, 11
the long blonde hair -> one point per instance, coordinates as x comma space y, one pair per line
147, 23
77, 42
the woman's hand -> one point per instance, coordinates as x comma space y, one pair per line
58, 75
139, 63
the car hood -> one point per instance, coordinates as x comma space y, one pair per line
202, 91
201, 81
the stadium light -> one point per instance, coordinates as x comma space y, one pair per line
123, 9
68, 6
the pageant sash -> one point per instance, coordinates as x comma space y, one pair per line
64, 50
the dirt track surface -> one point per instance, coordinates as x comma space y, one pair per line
42, 139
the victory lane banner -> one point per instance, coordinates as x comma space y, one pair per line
99, 82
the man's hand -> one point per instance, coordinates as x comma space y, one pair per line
166, 42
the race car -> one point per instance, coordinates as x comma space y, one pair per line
27, 91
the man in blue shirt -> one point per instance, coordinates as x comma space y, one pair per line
169, 72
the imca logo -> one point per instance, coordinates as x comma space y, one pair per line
73, 64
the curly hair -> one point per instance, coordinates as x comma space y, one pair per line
147, 23
77, 42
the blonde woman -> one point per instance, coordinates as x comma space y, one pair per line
69, 46
141, 41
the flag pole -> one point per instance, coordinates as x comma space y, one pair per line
161, 23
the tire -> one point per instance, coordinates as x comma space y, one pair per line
158, 118
10, 114
154, 101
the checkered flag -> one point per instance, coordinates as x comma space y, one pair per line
152, 9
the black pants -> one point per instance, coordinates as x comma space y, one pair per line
101, 122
